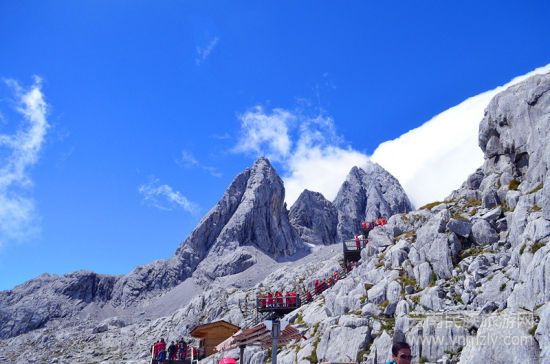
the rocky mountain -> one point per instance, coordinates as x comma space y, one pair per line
464, 280
368, 194
314, 218
251, 213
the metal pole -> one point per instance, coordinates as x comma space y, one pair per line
241, 360
275, 330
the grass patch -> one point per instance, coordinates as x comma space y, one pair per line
368, 286
363, 299
388, 324
513, 185
315, 328
433, 279
312, 358
457, 298
408, 281
473, 202
533, 330
423, 360
538, 188
459, 216
384, 304
415, 299
431, 205
537, 246
472, 252
535, 208
299, 318
522, 249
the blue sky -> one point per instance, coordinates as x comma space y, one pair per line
152, 106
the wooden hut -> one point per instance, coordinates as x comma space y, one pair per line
212, 334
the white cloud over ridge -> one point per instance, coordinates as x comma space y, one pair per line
164, 197
430, 161
436, 158
21, 150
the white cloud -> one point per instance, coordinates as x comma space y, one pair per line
164, 197
20, 151
204, 52
265, 133
316, 160
434, 159
188, 160
429, 161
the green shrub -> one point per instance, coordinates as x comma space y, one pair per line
433, 278
533, 330
502, 287
513, 185
537, 246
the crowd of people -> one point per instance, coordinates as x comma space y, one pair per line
279, 300
362, 240
178, 350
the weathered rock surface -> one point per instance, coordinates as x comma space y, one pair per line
366, 195
314, 218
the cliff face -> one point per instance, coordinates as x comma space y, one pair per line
314, 218
366, 195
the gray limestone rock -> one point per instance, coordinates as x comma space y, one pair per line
365, 195
314, 218
460, 227
502, 338
483, 233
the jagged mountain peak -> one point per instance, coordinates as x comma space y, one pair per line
368, 193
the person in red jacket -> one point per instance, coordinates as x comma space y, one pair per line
316, 286
357, 243
155, 350
279, 299
269, 300
309, 297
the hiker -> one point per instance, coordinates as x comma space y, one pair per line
269, 299
309, 297
357, 244
336, 276
154, 349
172, 351
182, 349
279, 298
161, 356
401, 353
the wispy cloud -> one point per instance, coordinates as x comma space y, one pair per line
188, 160
204, 52
429, 161
164, 197
20, 151
265, 133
